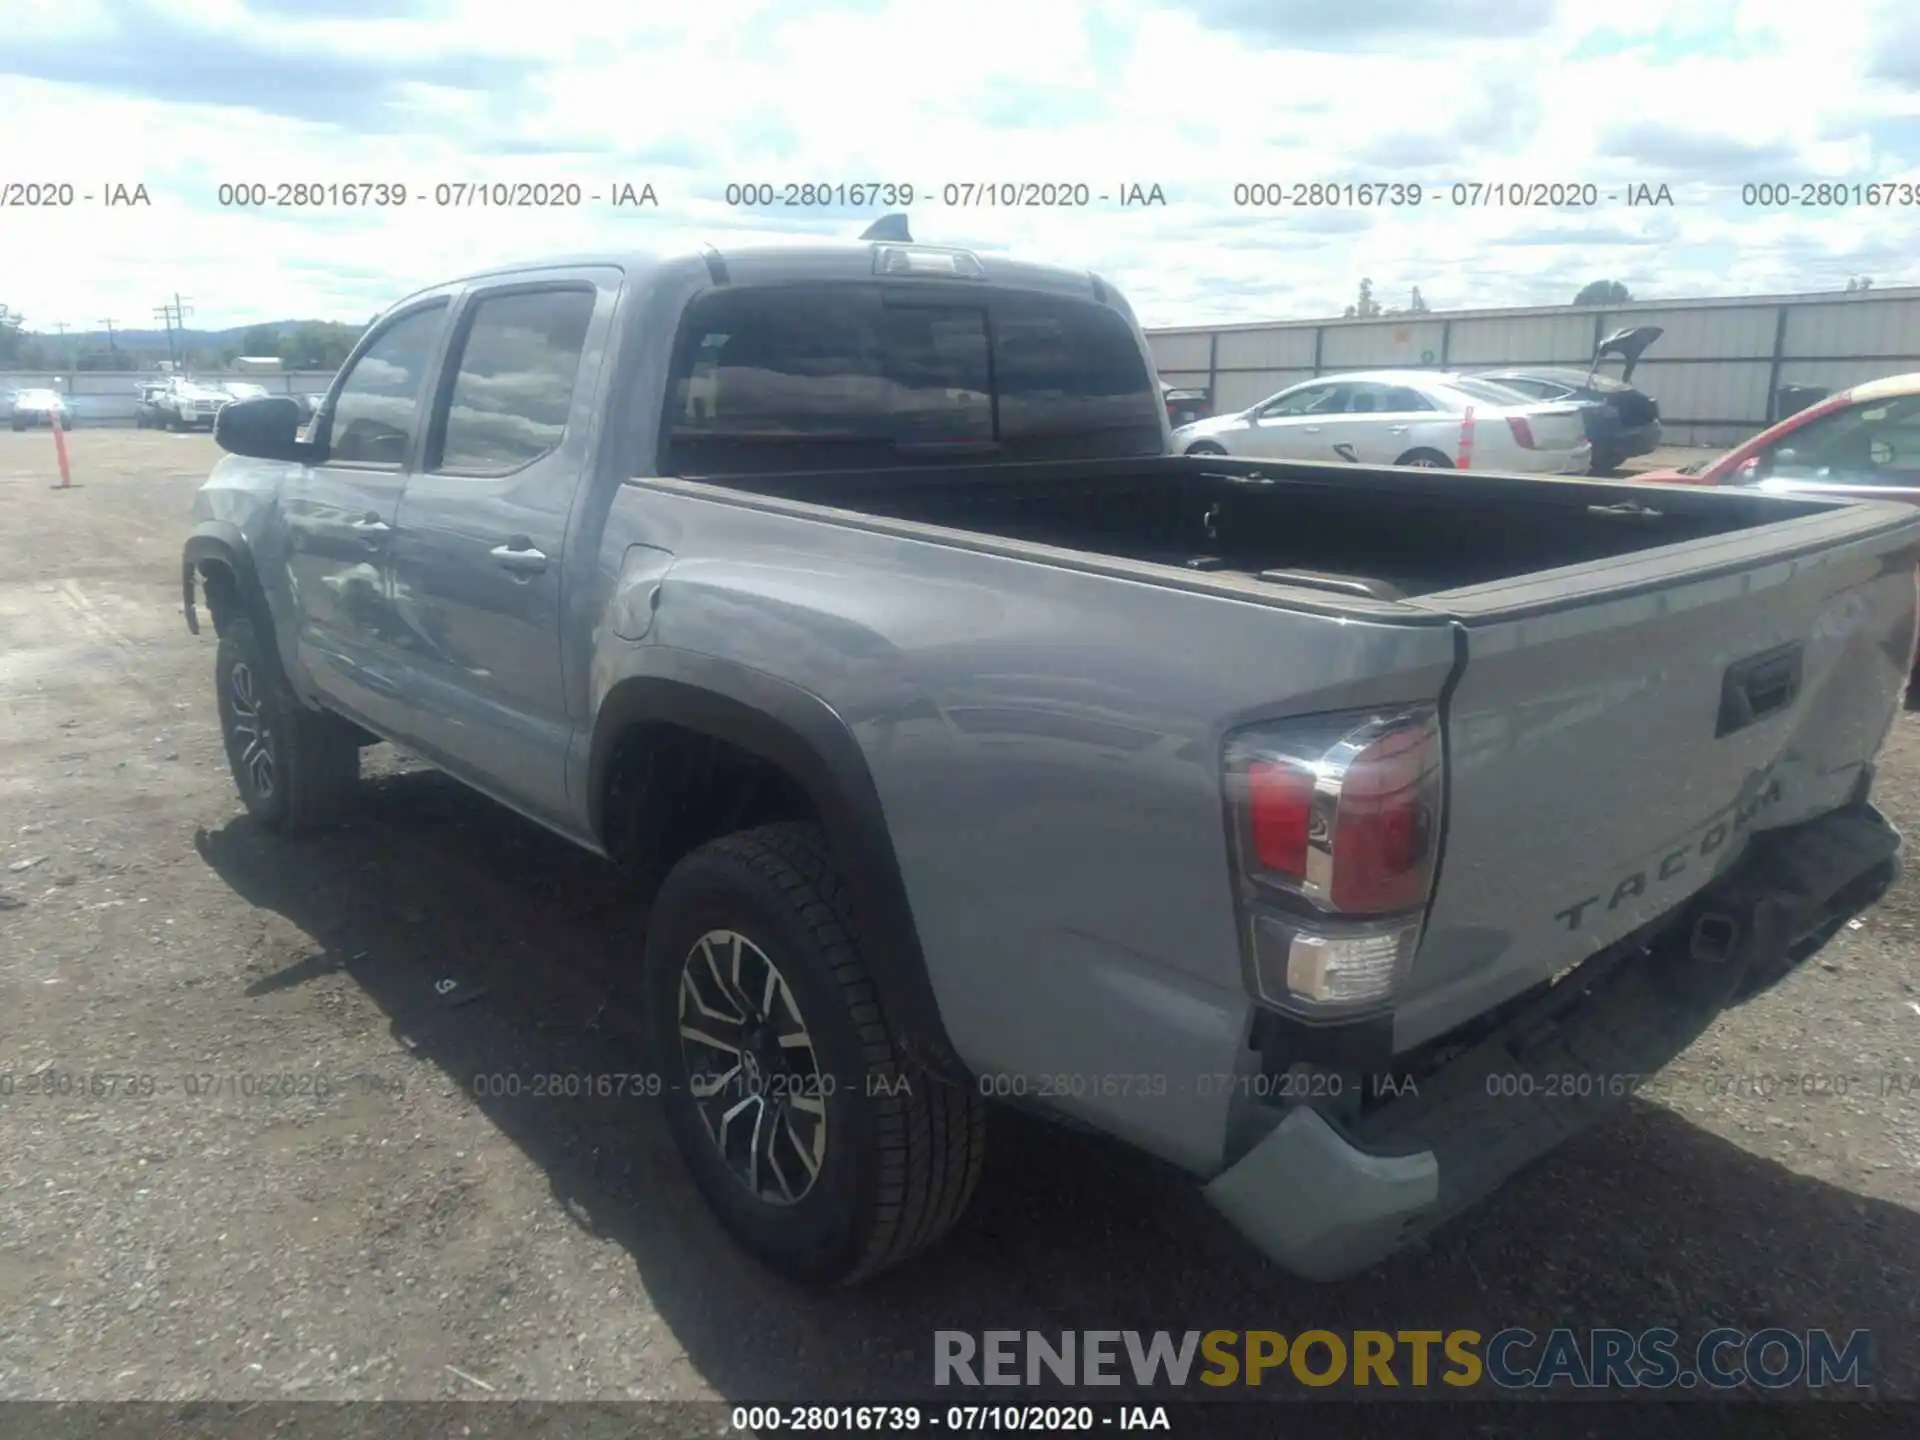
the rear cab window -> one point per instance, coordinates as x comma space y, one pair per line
873, 376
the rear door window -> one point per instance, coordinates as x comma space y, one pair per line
1307, 400
513, 386
1373, 398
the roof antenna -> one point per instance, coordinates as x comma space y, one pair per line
888, 227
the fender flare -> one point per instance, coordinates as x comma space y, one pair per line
221, 542
801, 734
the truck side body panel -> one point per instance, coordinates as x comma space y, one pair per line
1046, 745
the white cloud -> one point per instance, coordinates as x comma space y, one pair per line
1706, 97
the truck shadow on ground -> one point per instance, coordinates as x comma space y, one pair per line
1647, 1221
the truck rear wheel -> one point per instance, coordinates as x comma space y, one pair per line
295, 768
823, 1152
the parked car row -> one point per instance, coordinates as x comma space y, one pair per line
1413, 417
167, 402
1401, 417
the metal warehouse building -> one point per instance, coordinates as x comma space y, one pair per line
1715, 371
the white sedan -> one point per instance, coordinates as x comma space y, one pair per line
1400, 417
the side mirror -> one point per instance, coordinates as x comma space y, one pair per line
264, 428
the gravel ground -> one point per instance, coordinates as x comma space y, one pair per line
195, 1235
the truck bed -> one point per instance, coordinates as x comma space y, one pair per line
1384, 533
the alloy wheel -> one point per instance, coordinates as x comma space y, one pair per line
249, 736
751, 1068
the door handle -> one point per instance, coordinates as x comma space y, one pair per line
1396, 429
1310, 429
519, 556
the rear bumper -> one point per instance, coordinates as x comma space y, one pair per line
1625, 444
1325, 1202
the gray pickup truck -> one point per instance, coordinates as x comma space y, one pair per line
1347, 836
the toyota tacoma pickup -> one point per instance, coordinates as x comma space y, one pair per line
1344, 835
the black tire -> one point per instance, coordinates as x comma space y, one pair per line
1205, 447
897, 1154
1424, 459
295, 768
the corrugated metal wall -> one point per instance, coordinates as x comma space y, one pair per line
1715, 371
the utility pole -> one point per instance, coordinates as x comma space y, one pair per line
174, 316
113, 350
65, 354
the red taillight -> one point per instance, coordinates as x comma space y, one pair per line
1522, 432
1383, 834
1343, 810
1279, 812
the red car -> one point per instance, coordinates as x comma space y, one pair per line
1864, 442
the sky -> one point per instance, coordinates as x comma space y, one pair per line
1711, 98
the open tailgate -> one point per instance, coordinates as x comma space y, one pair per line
1620, 729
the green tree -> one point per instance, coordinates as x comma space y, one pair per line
1366, 307
315, 344
13, 336
1602, 292
260, 340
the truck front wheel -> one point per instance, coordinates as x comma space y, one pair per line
822, 1150
295, 768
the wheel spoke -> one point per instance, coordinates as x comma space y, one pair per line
727, 991
739, 990
690, 991
706, 1084
712, 1042
805, 1150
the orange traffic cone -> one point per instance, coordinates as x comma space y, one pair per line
60, 449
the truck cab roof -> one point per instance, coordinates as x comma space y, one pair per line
805, 260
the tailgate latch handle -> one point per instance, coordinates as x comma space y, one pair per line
1759, 686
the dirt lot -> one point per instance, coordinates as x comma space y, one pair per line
403, 1237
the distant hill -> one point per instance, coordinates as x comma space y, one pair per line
299, 344
145, 339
